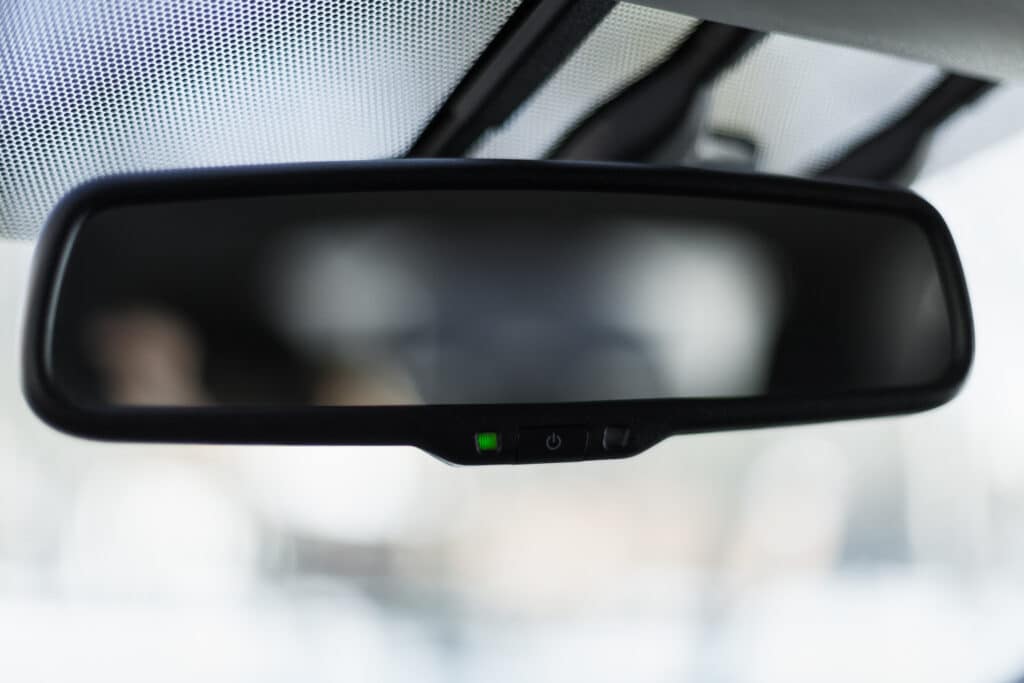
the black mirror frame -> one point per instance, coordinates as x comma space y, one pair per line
448, 431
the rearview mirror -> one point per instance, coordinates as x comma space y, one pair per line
488, 312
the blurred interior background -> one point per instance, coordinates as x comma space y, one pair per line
884, 550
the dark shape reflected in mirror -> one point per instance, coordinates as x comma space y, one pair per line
489, 296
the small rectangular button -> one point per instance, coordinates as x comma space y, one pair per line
552, 444
616, 439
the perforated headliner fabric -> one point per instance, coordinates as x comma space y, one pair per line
89, 88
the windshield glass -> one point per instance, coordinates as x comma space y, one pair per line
873, 550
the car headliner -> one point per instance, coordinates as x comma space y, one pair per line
967, 36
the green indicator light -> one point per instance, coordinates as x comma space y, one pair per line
487, 442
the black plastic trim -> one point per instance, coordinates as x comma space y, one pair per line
538, 37
447, 431
888, 154
656, 118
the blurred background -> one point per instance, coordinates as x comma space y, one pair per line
883, 550
878, 550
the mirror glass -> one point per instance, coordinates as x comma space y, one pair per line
478, 297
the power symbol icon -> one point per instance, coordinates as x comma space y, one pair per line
553, 442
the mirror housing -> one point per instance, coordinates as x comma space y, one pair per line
482, 433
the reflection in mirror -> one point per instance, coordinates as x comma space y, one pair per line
478, 297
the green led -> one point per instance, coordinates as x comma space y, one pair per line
487, 442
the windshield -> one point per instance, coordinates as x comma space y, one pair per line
875, 550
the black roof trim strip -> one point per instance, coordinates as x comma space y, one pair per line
538, 37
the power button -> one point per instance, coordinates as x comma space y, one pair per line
552, 444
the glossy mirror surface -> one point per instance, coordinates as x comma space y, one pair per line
491, 297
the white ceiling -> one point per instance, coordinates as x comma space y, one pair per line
981, 37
